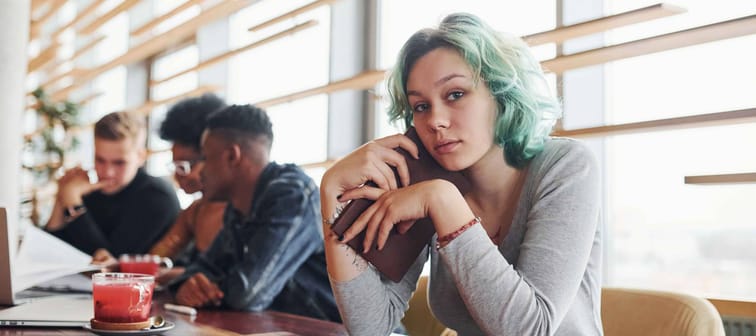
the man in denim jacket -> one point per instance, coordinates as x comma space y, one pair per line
269, 253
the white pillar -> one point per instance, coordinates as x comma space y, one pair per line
14, 34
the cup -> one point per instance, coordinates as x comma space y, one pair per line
143, 263
122, 297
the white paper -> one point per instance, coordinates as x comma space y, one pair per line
44, 257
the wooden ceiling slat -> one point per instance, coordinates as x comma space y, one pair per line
721, 178
44, 57
98, 22
291, 14
234, 52
362, 81
698, 35
148, 106
160, 19
84, 13
562, 34
160, 42
700, 120
36, 25
36, 4
70, 73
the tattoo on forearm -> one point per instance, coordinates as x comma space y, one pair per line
357, 261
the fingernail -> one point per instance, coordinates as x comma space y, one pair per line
341, 238
339, 197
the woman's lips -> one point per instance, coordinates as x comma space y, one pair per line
445, 147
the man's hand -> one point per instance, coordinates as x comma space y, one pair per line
199, 291
74, 185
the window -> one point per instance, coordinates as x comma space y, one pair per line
163, 67
293, 63
517, 18
664, 234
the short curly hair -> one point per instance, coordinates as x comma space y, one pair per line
526, 109
186, 120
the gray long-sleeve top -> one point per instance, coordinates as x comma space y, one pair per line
544, 278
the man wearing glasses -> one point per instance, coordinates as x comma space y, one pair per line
196, 226
126, 210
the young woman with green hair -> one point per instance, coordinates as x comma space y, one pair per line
520, 252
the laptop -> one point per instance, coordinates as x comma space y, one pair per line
33, 307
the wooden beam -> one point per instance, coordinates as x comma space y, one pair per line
561, 34
36, 4
701, 120
160, 19
735, 308
98, 22
145, 109
75, 55
150, 105
721, 179
87, 47
84, 13
229, 54
703, 34
37, 24
44, 57
362, 81
70, 73
160, 42
89, 98
291, 14
322, 164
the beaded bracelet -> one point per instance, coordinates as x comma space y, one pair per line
443, 241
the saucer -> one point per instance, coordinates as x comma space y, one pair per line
143, 332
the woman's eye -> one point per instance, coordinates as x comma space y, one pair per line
422, 107
455, 95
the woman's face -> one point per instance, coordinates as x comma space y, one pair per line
453, 115
188, 166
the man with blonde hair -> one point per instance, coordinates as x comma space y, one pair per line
126, 210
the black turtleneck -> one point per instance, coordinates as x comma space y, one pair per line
129, 221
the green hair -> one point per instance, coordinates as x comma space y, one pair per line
526, 111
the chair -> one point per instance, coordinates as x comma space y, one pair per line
418, 320
627, 312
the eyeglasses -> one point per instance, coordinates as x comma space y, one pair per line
182, 167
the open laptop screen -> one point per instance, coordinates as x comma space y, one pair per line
49, 311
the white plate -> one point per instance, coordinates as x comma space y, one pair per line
155, 331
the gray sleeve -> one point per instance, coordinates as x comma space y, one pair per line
372, 305
533, 297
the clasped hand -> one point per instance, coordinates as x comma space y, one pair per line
75, 184
346, 180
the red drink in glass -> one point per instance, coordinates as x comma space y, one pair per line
122, 297
143, 263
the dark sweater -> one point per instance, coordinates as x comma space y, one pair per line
130, 221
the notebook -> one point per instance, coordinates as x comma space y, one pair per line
400, 250
32, 307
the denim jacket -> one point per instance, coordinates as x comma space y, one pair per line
274, 257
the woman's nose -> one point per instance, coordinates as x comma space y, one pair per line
438, 118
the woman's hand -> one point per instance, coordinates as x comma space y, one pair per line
438, 199
372, 161
103, 258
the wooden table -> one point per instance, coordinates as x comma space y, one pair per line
216, 323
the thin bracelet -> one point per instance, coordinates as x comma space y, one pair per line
443, 241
